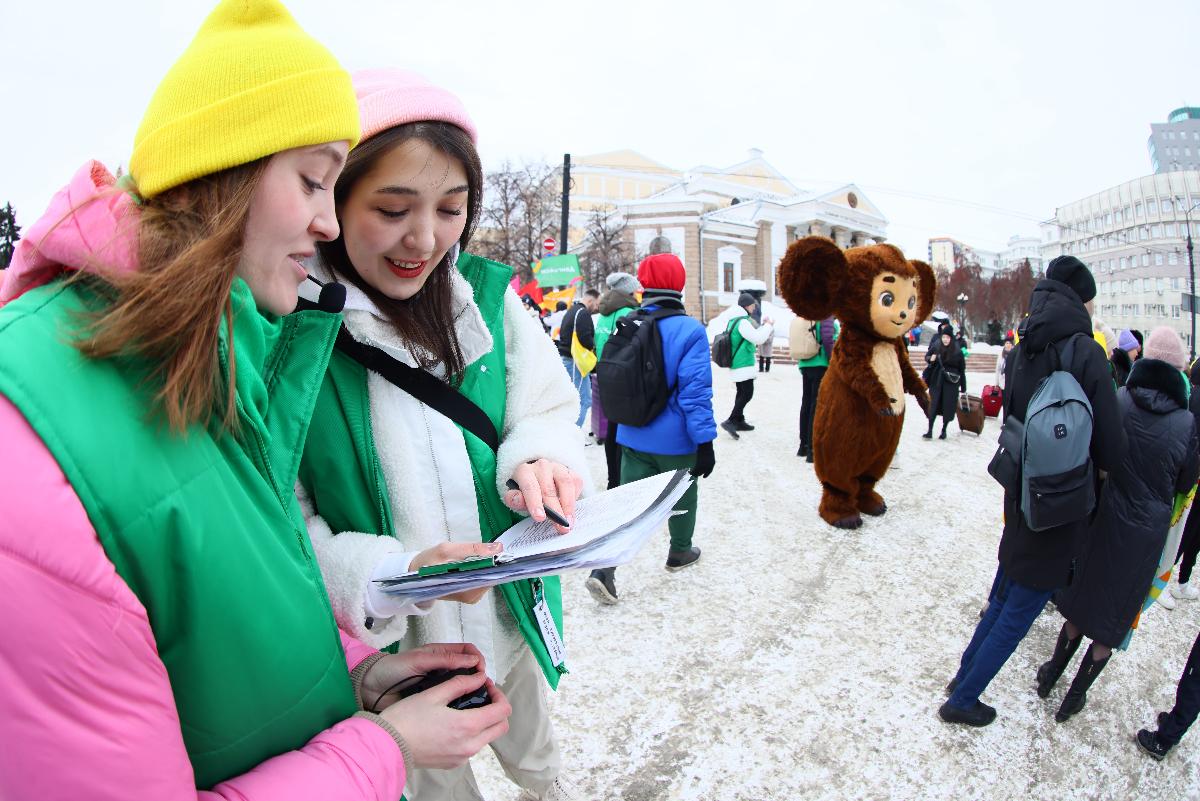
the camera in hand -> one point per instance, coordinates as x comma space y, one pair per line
472, 700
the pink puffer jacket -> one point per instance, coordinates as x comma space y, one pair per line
86, 709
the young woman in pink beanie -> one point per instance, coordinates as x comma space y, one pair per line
408, 202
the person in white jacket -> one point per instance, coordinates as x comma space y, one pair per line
407, 201
746, 336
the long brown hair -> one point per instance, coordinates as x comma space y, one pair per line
168, 311
424, 320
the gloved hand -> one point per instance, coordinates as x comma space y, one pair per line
706, 460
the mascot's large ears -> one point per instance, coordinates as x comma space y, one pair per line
810, 276
928, 290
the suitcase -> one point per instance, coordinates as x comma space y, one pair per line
970, 414
599, 420
993, 399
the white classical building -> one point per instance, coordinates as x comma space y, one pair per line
726, 224
1133, 237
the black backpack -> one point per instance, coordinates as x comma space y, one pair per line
630, 374
722, 347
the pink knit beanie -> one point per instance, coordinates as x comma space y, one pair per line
391, 97
1163, 343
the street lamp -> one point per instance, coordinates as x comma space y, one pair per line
1187, 216
962, 302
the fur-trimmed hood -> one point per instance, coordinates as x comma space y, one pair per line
1157, 387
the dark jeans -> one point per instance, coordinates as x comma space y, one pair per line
745, 391
612, 456
810, 387
1012, 608
1189, 545
1187, 701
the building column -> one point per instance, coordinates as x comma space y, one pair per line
860, 239
817, 229
841, 236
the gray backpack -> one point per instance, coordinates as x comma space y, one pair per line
1057, 483
1047, 459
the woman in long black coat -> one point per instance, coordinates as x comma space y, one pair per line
1126, 539
943, 392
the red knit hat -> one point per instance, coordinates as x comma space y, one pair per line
662, 271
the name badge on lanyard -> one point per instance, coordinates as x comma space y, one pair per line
550, 635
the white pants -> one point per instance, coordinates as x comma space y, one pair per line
527, 752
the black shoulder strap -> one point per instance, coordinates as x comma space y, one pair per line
426, 388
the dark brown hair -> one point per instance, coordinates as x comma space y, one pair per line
424, 320
168, 311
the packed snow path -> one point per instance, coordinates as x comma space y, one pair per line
797, 661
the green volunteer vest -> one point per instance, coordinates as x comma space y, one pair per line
341, 471
743, 349
204, 528
605, 325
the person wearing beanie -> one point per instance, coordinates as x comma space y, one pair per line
1121, 556
619, 300
408, 204
681, 436
945, 376
1035, 564
746, 336
164, 547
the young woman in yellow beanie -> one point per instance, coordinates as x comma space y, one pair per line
167, 634
408, 202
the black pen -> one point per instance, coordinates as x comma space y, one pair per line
554, 516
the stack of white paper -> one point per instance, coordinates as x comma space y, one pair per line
610, 528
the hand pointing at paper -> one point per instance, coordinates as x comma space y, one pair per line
545, 484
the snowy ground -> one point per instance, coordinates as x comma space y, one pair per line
800, 661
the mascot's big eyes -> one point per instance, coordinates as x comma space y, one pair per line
912, 302
887, 299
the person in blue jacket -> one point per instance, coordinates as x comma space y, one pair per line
682, 435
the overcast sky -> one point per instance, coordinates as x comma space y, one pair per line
971, 119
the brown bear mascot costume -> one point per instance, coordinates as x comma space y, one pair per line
878, 296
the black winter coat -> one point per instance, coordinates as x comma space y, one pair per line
1127, 536
1121, 366
943, 395
1043, 560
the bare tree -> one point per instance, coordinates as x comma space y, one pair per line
606, 248
521, 207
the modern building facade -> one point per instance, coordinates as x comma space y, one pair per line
947, 253
1021, 249
1133, 237
1175, 144
726, 224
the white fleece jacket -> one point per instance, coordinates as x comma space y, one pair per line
430, 487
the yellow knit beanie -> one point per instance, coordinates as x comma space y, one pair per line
250, 84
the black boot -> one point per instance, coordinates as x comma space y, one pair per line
768, 365
943, 434
1076, 697
1049, 673
928, 434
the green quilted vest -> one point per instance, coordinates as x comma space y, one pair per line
341, 471
204, 528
